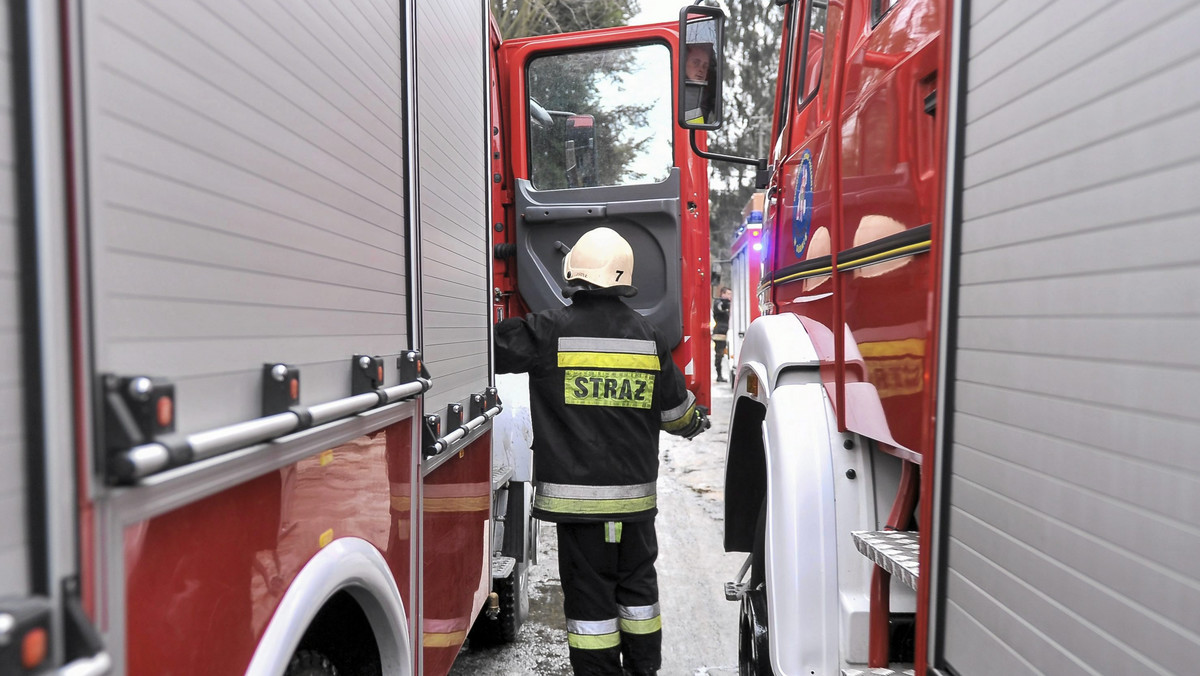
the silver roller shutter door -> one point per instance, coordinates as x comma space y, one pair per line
14, 557
453, 173
246, 195
1074, 516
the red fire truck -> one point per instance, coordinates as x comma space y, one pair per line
960, 442
252, 253
745, 275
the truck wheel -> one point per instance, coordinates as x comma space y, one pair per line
310, 663
514, 603
754, 653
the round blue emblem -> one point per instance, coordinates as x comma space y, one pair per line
802, 204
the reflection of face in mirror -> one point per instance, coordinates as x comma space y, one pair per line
698, 61
700, 70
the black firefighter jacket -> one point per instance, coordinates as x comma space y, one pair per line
601, 385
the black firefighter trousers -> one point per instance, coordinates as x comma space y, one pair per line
610, 597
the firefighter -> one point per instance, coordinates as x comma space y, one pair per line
720, 311
602, 384
699, 92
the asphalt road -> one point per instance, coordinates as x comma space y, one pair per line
699, 625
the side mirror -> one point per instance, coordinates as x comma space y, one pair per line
702, 45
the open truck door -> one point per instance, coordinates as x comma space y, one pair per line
590, 127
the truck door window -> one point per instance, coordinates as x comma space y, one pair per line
600, 118
812, 49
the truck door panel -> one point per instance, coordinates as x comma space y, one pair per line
599, 126
887, 207
645, 215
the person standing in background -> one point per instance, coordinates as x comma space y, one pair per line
720, 311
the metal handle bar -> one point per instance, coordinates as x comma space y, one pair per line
467, 427
142, 461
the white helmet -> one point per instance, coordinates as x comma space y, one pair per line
600, 257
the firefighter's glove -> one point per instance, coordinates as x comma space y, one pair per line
698, 424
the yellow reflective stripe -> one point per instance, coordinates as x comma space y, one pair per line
681, 410
642, 626
608, 360
447, 640
578, 506
910, 347
612, 531
596, 642
473, 504
680, 422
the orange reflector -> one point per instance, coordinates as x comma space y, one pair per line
752, 384
33, 648
379, 374
166, 411
294, 390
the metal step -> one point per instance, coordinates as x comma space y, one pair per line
893, 550
500, 476
881, 671
734, 591
502, 566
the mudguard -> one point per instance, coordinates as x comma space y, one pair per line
819, 485
801, 529
347, 564
772, 344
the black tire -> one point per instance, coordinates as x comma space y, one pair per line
754, 645
514, 603
310, 663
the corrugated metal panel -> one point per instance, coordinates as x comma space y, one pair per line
13, 555
246, 195
452, 133
1074, 523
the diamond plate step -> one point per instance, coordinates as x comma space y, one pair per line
500, 476
878, 672
503, 566
893, 550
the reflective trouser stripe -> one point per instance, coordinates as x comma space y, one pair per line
640, 619
612, 531
641, 626
593, 635
601, 642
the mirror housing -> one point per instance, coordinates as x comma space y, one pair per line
701, 46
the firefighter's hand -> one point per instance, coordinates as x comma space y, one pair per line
699, 423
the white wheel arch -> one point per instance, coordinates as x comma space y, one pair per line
817, 582
348, 564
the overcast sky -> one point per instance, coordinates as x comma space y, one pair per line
654, 11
